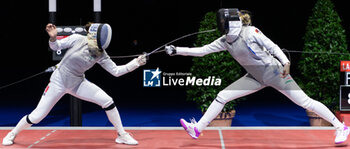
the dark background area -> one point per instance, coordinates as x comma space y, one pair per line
24, 49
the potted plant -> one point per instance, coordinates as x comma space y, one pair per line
217, 64
320, 75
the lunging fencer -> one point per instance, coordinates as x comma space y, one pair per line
265, 63
83, 53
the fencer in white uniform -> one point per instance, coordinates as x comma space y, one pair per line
257, 54
83, 53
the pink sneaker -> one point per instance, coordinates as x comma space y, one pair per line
191, 128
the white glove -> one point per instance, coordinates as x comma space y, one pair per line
142, 59
171, 50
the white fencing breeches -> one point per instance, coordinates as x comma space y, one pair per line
244, 86
84, 90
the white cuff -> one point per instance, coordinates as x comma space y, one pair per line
132, 65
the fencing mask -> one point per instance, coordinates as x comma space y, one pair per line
99, 36
229, 23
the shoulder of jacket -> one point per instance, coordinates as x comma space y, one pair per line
251, 29
251, 32
77, 36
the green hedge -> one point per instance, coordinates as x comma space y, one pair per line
320, 72
217, 64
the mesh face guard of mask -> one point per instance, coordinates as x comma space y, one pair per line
229, 23
99, 36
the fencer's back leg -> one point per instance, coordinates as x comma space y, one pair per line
52, 94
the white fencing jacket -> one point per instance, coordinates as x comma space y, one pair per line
79, 59
252, 49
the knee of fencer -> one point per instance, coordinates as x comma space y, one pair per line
33, 119
109, 106
106, 102
221, 99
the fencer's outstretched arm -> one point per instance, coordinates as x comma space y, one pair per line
215, 46
120, 70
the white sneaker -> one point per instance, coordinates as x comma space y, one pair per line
125, 138
341, 135
191, 128
8, 140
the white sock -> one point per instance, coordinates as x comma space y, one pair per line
114, 118
213, 111
326, 114
22, 124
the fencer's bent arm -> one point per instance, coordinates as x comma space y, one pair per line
120, 70
215, 46
273, 48
63, 43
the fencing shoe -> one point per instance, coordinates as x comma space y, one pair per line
8, 140
125, 138
191, 128
341, 134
